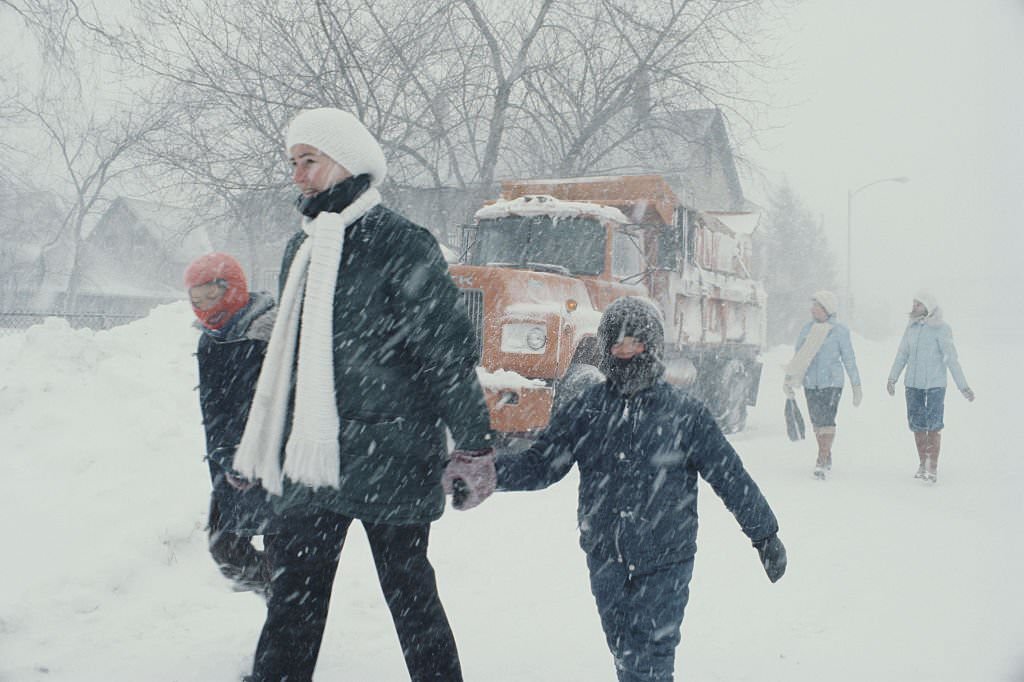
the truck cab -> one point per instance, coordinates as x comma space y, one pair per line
540, 264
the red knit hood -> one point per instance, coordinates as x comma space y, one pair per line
225, 270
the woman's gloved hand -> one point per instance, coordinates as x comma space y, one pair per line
469, 477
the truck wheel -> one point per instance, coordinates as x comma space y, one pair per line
731, 397
577, 379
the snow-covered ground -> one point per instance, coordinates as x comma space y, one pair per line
106, 575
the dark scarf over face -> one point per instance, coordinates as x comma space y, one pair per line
334, 199
634, 375
636, 317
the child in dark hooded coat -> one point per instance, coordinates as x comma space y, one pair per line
640, 445
235, 327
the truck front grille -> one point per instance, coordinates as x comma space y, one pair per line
473, 300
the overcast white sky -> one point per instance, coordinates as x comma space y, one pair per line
928, 89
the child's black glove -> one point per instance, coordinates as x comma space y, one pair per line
773, 556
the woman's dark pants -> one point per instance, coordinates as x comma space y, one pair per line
304, 558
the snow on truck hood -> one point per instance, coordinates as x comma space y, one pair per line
503, 378
543, 204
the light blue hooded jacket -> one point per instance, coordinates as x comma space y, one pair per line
927, 351
826, 369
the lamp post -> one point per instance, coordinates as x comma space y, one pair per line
850, 194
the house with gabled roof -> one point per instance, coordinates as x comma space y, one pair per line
692, 150
134, 256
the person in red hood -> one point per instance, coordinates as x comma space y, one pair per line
236, 326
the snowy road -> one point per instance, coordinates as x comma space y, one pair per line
106, 576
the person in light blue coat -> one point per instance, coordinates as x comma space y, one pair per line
823, 350
927, 352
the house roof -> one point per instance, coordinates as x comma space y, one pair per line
176, 229
691, 149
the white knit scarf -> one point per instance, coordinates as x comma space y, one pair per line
797, 367
312, 452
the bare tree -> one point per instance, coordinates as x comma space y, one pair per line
793, 259
64, 144
56, 26
458, 91
435, 89
93, 154
622, 71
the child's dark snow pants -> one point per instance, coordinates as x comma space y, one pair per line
641, 614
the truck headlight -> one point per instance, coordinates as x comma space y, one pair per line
536, 338
523, 337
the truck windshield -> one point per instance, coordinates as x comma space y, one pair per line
576, 244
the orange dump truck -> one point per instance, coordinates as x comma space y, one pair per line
540, 264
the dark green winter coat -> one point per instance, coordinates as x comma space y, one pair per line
404, 369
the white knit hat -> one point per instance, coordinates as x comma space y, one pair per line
927, 300
827, 300
341, 136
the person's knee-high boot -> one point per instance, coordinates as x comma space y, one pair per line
825, 437
921, 440
934, 444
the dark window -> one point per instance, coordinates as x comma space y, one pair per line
573, 244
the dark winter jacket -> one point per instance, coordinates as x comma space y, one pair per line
639, 457
229, 365
404, 369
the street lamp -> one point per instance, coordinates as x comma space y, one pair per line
850, 194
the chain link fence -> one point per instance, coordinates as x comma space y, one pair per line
12, 322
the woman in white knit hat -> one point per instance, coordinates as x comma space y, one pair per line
368, 364
823, 350
927, 352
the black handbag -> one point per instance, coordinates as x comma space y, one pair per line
794, 420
